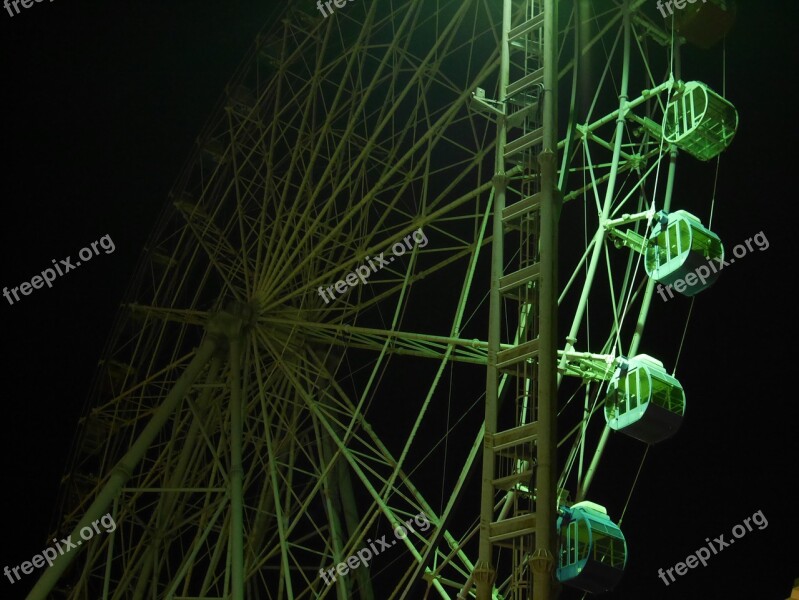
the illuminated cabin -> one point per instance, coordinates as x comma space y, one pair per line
643, 400
699, 121
678, 245
593, 552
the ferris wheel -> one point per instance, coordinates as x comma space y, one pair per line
297, 376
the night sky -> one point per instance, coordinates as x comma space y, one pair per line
102, 106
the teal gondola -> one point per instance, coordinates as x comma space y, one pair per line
643, 400
699, 121
681, 251
593, 551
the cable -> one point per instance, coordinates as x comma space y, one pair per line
684, 333
635, 482
712, 201
715, 187
718, 158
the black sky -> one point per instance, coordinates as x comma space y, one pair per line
101, 107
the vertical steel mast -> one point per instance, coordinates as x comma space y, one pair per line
518, 496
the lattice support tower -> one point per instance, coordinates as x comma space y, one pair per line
518, 502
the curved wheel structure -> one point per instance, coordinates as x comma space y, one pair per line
343, 146
298, 369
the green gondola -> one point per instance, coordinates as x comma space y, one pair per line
644, 401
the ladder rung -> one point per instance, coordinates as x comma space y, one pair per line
525, 82
513, 215
531, 51
515, 437
510, 481
520, 30
511, 528
516, 119
528, 140
514, 284
510, 358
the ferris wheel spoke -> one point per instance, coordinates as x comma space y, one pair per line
398, 341
369, 457
341, 224
350, 58
357, 207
